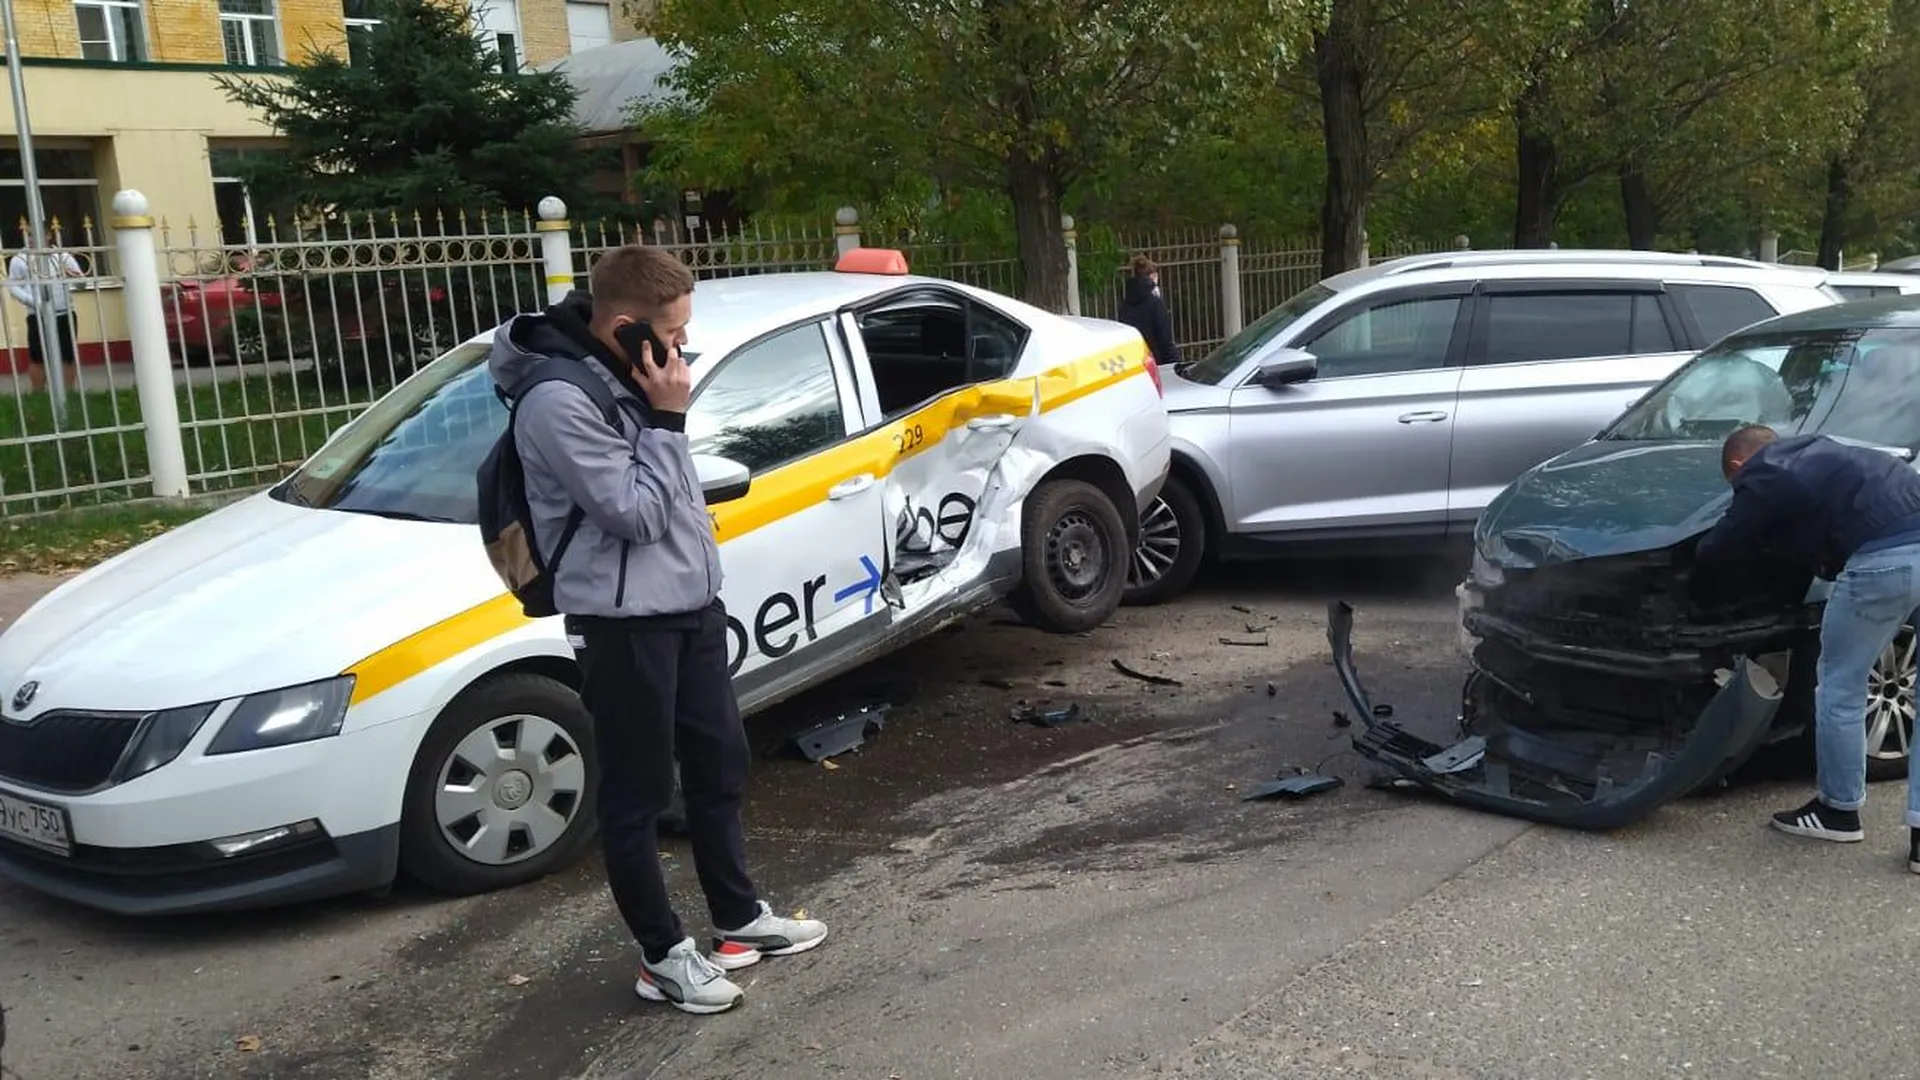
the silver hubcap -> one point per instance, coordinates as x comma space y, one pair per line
1890, 702
509, 790
1159, 545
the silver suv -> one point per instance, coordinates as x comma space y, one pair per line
1389, 404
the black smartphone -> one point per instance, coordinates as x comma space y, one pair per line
632, 334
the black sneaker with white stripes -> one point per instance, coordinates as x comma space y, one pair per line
1821, 822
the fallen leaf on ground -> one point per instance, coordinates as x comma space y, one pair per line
518, 980
247, 1044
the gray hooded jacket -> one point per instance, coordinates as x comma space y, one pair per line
646, 546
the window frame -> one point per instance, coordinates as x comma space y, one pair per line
1486, 291
95, 257
356, 24
573, 45
1700, 339
852, 412
249, 20
851, 315
124, 52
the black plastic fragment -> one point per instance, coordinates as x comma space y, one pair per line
1341, 719
848, 731
1024, 713
1157, 680
1293, 787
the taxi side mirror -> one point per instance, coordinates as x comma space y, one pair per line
721, 479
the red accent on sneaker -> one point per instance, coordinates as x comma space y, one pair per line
734, 948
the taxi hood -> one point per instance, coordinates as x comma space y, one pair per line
258, 595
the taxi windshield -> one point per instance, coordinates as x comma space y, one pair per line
1861, 385
415, 452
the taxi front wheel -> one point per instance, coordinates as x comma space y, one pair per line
1073, 549
501, 789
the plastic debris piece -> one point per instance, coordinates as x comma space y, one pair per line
998, 684
845, 732
1294, 787
1260, 642
1157, 680
1341, 719
1024, 713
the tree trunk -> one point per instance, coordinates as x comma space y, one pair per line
1643, 215
1833, 222
1538, 160
1343, 210
1043, 246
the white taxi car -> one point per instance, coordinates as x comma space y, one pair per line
324, 684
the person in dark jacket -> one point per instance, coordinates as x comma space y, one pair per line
1143, 308
1852, 515
640, 592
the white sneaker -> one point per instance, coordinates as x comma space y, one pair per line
688, 981
768, 935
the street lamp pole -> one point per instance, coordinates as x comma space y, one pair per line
36, 220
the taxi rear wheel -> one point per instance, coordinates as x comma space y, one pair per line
1074, 550
501, 790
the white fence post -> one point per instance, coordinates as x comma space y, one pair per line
1463, 242
1230, 315
846, 229
1770, 246
1366, 249
1073, 263
152, 360
556, 248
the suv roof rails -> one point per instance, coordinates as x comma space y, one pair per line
1442, 260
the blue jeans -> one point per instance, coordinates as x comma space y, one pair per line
1872, 598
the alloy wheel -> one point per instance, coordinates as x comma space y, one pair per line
1890, 699
1159, 545
508, 791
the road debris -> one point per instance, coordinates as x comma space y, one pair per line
846, 732
1341, 719
998, 684
1026, 713
1157, 680
518, 980
247, 1044
1294, 783
1260, 642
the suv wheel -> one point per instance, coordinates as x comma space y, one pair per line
1890, 708
1173, 541
1073, 548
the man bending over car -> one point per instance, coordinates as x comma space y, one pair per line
1852, 515
639, 586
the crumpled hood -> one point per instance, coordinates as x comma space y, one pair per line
256, 596
1136, 291
526, 339
1605, 498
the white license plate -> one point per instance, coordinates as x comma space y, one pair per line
39, 824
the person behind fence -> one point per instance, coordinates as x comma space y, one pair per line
50, 268
1143, 308
639, 588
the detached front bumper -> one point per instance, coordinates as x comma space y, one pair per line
1583, 781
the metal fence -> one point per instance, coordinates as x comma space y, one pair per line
270, 342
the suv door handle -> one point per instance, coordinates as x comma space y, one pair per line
1422, 417
853, 485
990, 423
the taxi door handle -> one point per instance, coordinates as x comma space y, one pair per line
990, 423
851, 486
1422, 417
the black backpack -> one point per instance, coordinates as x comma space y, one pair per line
506, 521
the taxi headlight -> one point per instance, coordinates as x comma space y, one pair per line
282, 717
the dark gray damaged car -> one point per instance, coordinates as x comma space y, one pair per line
1609, 675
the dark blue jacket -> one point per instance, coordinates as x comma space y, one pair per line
1812, 501
1144, 310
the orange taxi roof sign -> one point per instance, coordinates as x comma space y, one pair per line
866, 260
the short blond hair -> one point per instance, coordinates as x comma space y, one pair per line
638, 281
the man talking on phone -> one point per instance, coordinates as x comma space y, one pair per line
639, 587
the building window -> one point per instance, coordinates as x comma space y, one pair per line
111, 30
589, 25
361, 19
69, 195
247, 27
498, 24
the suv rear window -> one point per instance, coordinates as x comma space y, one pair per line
1719, 310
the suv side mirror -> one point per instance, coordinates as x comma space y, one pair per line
722, 479
1286, 367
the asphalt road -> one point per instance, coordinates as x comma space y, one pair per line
1088, 900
